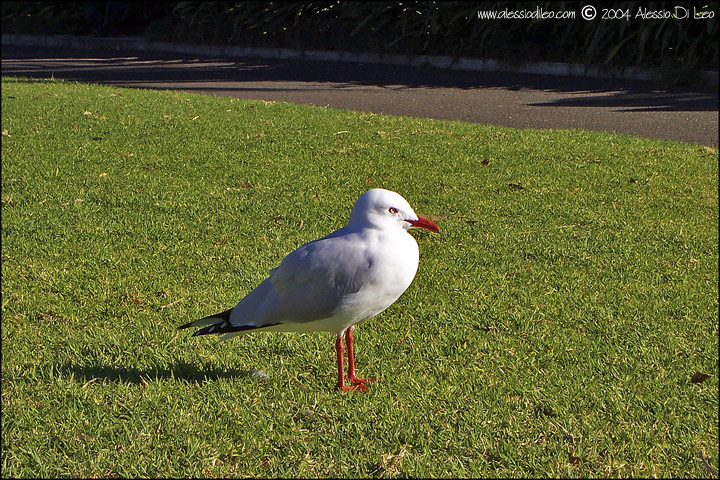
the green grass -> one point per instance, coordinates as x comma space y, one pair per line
552, 329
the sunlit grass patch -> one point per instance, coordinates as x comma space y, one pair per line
553, 328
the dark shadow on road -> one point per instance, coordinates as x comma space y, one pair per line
642, 102
162, 71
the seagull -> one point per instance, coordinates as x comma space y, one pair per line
333, 283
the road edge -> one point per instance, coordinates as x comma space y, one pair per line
436, 61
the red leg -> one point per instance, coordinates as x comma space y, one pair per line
341, 376
351, 360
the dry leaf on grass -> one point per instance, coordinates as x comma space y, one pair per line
699, 377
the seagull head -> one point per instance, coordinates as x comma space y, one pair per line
386, 210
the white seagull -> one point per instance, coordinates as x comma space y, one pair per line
335, 282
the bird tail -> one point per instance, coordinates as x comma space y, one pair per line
211, 322
220, 323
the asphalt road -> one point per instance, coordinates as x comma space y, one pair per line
515, 100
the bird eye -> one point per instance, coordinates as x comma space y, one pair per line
393, 210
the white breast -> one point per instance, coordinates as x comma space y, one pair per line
394, 265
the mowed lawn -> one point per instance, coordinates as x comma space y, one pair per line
564, 322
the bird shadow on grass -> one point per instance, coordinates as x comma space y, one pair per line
182, 371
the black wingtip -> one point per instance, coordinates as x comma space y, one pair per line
220, 316
222, 325
226, 327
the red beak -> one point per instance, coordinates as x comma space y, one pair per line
424, 223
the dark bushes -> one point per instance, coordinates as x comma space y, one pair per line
435, 28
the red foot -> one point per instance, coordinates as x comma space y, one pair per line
355, 382
361, 381
358, 386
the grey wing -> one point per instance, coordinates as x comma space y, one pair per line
311, 281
